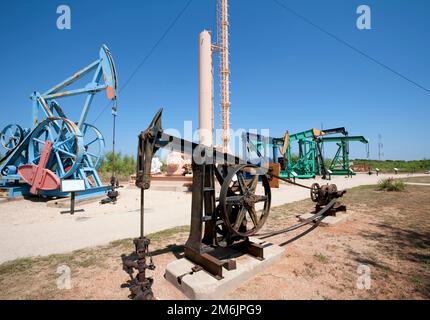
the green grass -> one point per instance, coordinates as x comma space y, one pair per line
164, 234
421, 179
403, 166
35, 277
19, 265
364, 187
321, 258
418, 282
83, 258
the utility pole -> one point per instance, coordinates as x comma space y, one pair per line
380, 147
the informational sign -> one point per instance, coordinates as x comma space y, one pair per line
72, 185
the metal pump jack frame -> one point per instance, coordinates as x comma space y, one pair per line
222, 221
310, 160
339, 165
77, 147
218, 224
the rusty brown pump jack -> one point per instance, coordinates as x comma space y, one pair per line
219, 224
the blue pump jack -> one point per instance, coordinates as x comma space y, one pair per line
77, 147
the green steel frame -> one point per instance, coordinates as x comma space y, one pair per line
340, 164
308, 164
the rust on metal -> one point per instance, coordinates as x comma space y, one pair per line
223, 223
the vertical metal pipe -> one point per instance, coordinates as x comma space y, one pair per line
113, 139
72, 203
142, 212
35, 119
206, 117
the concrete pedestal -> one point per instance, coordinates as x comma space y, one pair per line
201, 285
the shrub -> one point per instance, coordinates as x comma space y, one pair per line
391, 184
163, 166
124, 165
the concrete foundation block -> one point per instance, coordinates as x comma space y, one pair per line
201, 285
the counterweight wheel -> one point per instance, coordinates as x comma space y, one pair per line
11, 136
245, 200
67, 149
94, 145
315, 188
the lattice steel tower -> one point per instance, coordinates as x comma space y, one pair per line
223, 47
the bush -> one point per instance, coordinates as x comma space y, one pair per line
124, 165
163, 166
391, 184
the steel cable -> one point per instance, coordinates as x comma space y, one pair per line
317, 217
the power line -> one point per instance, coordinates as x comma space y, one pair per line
148, 55
298, 15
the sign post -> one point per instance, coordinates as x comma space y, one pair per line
72, 186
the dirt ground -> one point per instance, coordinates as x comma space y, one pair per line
31, 227
384, 244
418, 179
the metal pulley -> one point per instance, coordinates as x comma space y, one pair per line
241, 193
322, 195
11, 136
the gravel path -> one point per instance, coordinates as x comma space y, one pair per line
29, 228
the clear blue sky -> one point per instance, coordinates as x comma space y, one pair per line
285, 74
